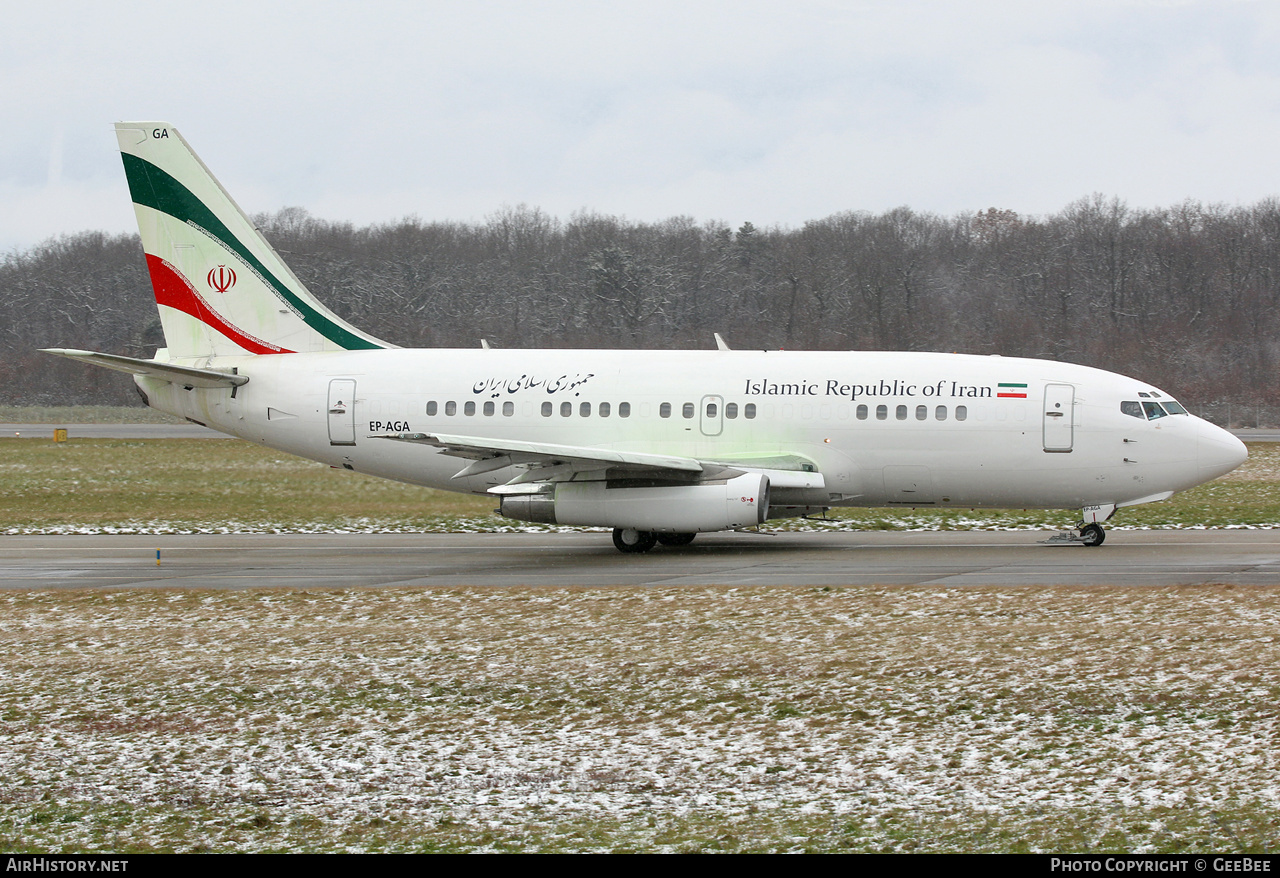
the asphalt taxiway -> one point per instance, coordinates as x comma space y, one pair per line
1240, 557
237, 561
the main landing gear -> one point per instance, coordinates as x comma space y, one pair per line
632, 541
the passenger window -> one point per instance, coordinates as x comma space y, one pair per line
862, 413
547, 409
450, 408
566, 409
508, 409
940, 413
624, 409
1133, 409
585, 410
902, 413
664, 410
1153, 410
962, 413
922, 412
731, 410
469, 409
749, 411
687, 410
711, 410
604, 409
882, 412
431, 407
489, 409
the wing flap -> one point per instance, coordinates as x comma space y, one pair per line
487, 455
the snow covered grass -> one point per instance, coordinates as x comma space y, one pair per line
198, 486
734, 719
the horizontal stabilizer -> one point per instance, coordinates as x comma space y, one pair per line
183, 375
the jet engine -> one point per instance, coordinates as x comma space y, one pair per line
648, 505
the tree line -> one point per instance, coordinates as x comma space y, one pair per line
1183, 297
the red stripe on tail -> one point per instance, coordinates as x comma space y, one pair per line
175, 291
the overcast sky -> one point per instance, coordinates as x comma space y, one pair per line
771, 112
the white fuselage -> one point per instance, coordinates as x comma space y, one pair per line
918, 429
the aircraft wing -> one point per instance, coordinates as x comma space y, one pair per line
490, 454
186, 376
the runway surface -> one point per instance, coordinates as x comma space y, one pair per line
589, 559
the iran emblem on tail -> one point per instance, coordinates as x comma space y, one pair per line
221, 278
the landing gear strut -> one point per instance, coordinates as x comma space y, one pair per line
632, 541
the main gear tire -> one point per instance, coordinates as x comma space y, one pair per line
632, 542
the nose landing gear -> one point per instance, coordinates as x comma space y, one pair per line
1089, 531
1092, 534
1090, 526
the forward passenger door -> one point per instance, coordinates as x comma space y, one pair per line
1059, 417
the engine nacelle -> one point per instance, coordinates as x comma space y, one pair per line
704, 506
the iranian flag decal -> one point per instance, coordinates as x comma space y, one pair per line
1011, 391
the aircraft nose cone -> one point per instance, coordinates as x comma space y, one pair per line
1217, 451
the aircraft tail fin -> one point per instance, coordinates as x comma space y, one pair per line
220, 287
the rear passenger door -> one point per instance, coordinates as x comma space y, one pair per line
342, 411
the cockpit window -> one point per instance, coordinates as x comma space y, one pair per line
1150, 411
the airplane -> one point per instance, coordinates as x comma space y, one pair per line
657, 445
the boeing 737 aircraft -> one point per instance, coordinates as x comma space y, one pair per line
659, 446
